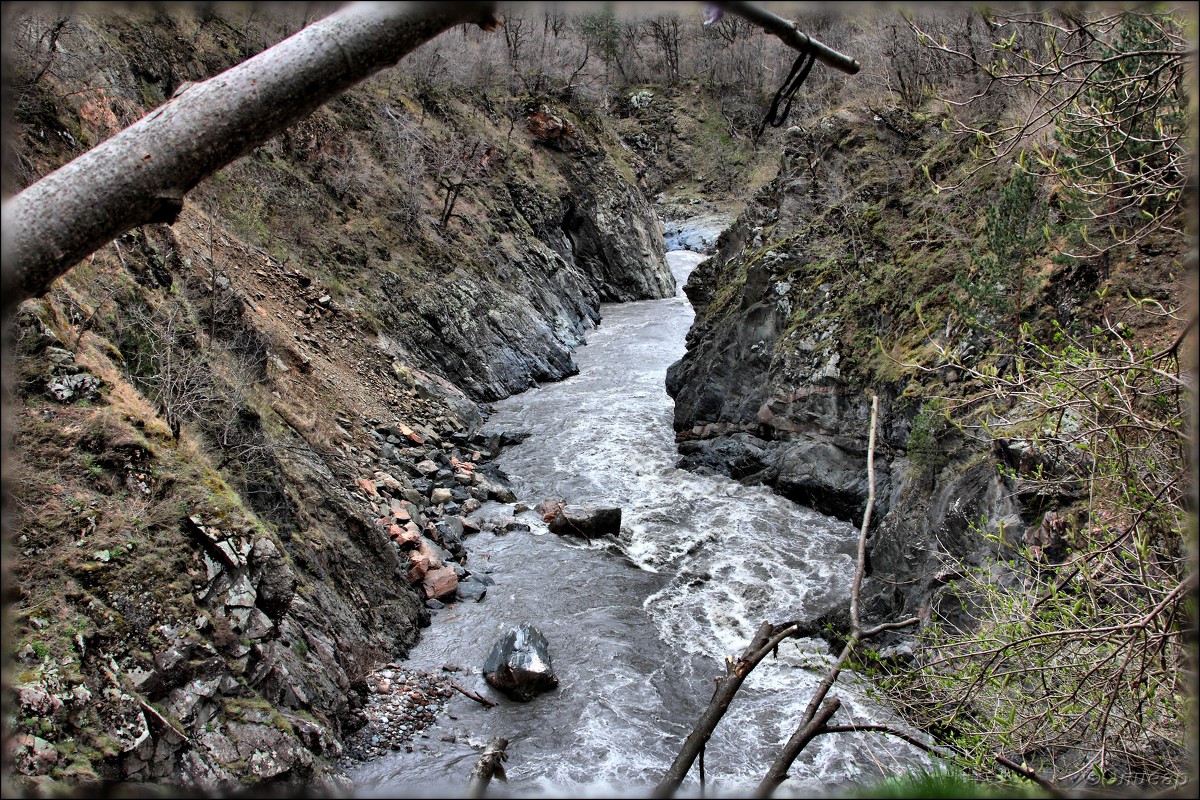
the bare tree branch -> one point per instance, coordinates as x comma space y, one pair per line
142, 174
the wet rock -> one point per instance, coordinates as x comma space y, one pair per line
589, 522
440, 582
494, 489
471, 589
519, 664
549, 508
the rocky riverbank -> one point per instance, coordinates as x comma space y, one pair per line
208, 566
792, 313
401, 705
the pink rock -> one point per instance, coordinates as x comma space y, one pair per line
440, 582
368, 487
419, 566
549, 508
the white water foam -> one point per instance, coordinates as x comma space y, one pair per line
639, 629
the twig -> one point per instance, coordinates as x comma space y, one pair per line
478, 698
890, 731
1028, 774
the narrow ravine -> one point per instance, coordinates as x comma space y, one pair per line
639, 627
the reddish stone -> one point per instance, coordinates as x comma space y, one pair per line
549, 508
408, 534
419, 566
368, 487
440, 582
549, 127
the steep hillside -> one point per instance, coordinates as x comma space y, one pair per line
845, 277
245, 444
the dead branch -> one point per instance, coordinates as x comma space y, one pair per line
478, 698
1028, 774
816, 716
792, 36
490, 764
819, 711
778, 772
890, 731
141, 175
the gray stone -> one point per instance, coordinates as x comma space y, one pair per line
589, 522
519, 664
471, 589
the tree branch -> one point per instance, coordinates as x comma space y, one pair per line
142, 174
778, 772
490, 763
792, 36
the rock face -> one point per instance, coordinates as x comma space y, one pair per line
519, 664
242, 572
591, 239
775, 386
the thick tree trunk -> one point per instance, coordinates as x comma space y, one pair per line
141, 175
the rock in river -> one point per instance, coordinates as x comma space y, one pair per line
587, 521
519, 664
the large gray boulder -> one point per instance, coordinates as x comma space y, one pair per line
519, 664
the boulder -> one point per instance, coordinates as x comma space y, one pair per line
440, 582
471, 589
589, 522
519, 664
550, 508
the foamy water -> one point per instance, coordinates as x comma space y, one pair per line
639, 627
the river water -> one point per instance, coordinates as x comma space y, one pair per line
638, 628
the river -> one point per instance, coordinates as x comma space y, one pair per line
638, 628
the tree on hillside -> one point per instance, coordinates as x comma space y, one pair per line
1075, 665
1104, 102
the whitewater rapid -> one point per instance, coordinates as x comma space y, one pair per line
638, 627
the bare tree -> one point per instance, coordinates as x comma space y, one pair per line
665, 29
166, 364
1105, 111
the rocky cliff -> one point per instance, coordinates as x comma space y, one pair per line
812, 303
245, 445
